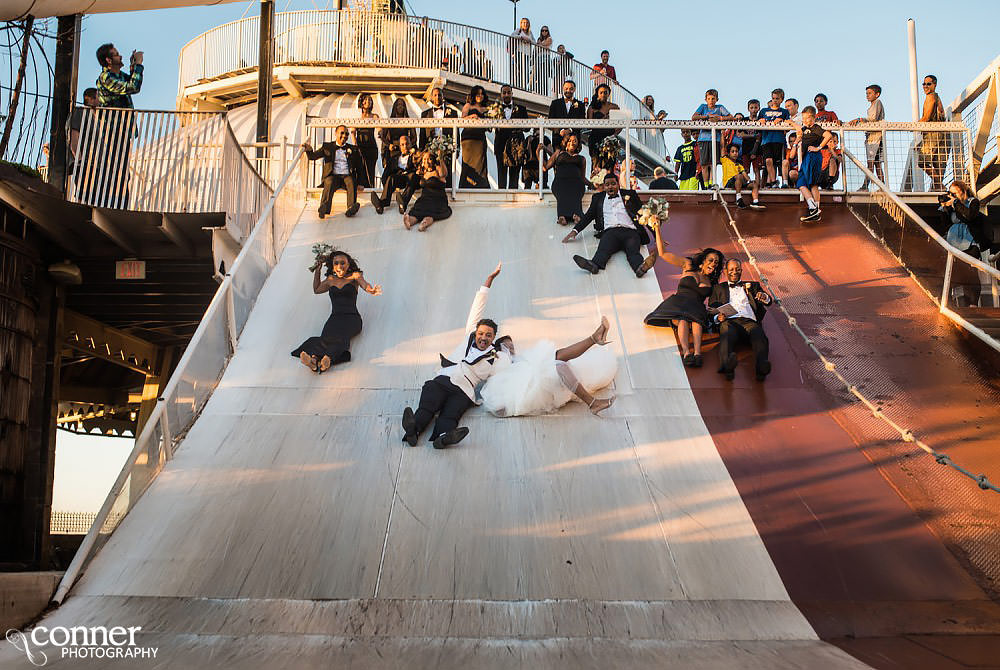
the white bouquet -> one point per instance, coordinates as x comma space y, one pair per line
321, 252
442, 146
654, 212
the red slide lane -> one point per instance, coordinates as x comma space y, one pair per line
888, 554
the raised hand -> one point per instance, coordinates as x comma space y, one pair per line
493, 275
376, 290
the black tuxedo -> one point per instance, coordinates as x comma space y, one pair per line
557, 110
394, 177
331, 180
507, 175
734, 329
616, 238
426, 133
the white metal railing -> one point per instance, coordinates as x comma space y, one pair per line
896, 140
923, 263
202, 365
395, 40
159, 161
976, 107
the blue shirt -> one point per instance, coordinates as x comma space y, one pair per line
704, 109
773, 136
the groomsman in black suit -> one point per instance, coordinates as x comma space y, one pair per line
507, 175
341, 166
615, 213
566, 107
400, 173
437, 110
750, 302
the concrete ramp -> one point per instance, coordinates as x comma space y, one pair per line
294, 529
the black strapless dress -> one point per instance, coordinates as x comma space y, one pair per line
687, 304
568, 185
369, 155
433, 200
343, 324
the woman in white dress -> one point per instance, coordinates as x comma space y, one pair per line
542, 379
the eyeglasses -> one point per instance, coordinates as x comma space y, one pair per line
928, 83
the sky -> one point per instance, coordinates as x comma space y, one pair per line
742, 49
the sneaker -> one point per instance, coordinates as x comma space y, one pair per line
740, 204
450, 438
813, 215
758, 206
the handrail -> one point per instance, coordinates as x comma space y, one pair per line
157, 431
877, 411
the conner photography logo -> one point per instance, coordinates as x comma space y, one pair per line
79, 642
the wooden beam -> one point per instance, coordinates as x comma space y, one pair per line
288, 82
173, 233
112, 231
52, 227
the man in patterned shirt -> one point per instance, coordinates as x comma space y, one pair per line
114, 87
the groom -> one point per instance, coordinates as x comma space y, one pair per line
615, 213
453, 389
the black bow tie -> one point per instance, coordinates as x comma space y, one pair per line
613, 195
437, 109
733, 284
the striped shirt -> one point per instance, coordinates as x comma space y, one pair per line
116, 89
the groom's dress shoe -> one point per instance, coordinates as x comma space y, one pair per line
409, 427
586, 264
450, 438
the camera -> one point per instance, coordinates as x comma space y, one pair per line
944, 197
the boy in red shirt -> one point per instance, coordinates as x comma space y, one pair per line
823, 115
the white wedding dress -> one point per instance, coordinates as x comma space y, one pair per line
530, 384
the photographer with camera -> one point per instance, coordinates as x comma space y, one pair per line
114, 87
966, 229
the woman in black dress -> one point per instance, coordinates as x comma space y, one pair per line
568, 184
390, 136
432, 205
600, 108
365, 139
343, 277
685, 309
473, 173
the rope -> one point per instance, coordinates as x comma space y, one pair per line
905, 434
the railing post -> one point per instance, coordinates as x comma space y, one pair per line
541, 160
715, 152
454, 162
946, 288
628, 154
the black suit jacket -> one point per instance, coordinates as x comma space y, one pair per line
392, 163
557, 110
505, 134
326, 152
449, 113
720, 296
595, 213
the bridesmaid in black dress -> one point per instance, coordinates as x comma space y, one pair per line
343, 277
432, 205
685, 309
473, 173
568, 185
365, 139
600, 108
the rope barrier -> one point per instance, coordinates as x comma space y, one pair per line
905, 434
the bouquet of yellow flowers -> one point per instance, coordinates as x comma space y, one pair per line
494, 111
321, 252
442, 146
653, 213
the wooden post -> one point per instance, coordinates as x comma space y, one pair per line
63, 96
265, 68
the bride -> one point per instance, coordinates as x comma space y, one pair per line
542, 379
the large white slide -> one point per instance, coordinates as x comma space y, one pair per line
294, 529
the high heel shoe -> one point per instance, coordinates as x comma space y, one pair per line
598, 405
604, 328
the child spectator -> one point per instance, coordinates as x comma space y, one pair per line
813, 139
772, 142
736, 178
750, 153
733, 136
873, 138
831, 161
792, 105
710, 110
790, 163
686, 165
823, 115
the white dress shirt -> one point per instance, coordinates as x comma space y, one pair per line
402, 161
741, 302
438, 113
508, 110
615, 214
340, 160
474, 366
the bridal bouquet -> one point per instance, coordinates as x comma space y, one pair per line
653, 213
495, 111
610, 150
442, 146
321, 252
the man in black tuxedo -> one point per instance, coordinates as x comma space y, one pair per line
507, 175
615, 213
437, 110
566, 107
400, 173
341, 166
750, 302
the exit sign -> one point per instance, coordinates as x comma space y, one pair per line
130, 269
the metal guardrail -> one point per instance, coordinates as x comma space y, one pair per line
896, 140
353, 37
905, 434
202, 365
976, 107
